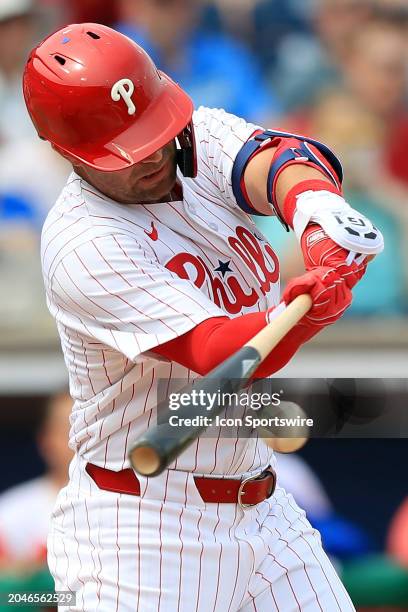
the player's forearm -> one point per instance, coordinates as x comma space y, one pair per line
213, 341
288, 180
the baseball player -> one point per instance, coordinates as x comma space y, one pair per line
154, 270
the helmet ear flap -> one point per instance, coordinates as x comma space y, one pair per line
186, 154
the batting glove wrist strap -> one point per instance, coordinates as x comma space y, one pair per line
342, 223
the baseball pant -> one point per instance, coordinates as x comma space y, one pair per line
168, 551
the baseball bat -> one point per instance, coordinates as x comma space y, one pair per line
161, 444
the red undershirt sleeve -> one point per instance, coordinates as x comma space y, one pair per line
211, 342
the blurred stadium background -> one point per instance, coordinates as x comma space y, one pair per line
333, 69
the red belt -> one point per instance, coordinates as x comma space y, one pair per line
246, 492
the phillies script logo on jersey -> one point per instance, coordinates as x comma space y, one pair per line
261, 260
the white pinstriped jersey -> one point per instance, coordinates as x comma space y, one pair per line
120, 280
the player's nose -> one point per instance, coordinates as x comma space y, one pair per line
154, 158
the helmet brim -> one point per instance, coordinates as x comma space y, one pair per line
152, 130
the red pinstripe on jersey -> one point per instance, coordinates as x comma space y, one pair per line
115, 299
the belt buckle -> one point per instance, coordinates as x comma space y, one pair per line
241, 491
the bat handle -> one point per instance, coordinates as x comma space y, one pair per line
160, 445
266, 340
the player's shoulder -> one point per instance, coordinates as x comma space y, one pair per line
77, 199
69, 206
216, 120
204, 115
83, 215
219, 136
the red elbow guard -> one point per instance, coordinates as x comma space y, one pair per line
291, 149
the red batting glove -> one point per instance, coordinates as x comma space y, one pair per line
320, 250
330, 294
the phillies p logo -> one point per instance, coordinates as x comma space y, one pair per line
124, 89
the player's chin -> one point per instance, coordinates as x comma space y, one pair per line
160, 189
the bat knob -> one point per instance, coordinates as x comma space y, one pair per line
145, 460
286, 445
287, 438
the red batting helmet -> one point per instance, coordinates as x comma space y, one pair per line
99, 99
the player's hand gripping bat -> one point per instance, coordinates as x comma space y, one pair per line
160, 445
